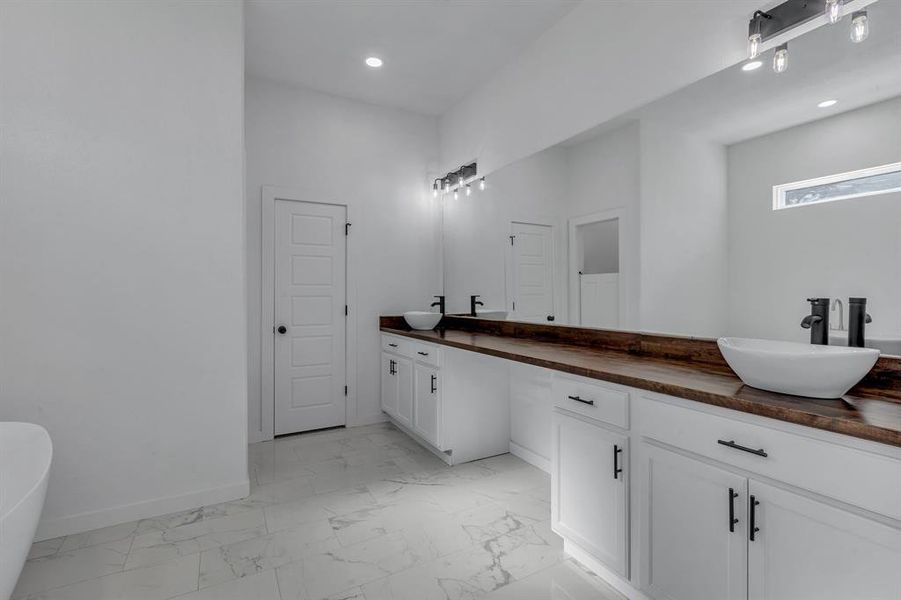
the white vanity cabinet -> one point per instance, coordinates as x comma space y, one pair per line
454, 402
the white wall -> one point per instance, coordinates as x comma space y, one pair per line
122, 298
839, 249
599, 61
378, 162
683, 233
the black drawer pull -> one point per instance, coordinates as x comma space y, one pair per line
577, 399
393, 345
753, 529
423, 353
616, 468
732, 520
434, 383
392, 370
732, 444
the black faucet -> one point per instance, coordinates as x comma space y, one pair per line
473, 302
818, 321
857, 319
439, 304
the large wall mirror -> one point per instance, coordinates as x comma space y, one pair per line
717, 210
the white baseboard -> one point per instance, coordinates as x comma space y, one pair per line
87, 521
530, 457
614, 580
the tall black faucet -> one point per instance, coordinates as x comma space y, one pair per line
473, 302
818, 321
857, 319
439, 304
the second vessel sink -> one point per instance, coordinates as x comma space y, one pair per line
420, 319
798, 369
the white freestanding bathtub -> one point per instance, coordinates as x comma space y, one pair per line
25, 453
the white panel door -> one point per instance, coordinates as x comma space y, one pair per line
589, 489
310, 263
389, 384
808, 550
532, 269
691, 550
403, 372
427, 408
599, 300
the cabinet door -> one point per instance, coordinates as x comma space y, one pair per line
427, 409
807, 549
404, 391
589, 489
690, 548
389, 384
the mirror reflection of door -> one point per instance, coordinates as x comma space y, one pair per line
598, 272
532, 269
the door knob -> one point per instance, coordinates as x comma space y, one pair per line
550, 317
282, 329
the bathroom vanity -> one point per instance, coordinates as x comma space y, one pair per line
670, 478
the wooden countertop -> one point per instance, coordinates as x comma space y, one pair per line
871, 411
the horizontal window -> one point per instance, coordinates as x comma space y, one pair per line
842, 186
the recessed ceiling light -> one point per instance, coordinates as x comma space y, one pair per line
752, 65
827, 103
374, 61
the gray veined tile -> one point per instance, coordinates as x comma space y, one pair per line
279, 492
160, 546
261, 586
563, 581
352, 477
158, 582
105, 535
65, 568
317, 508
374, 521
45, 548
265, 553
322, 575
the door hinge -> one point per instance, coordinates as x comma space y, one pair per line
347, 228
514, 306
512, 237
345, 310
345, 390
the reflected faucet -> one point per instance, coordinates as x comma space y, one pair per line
818, 321
473, 302
841, 315
439, 304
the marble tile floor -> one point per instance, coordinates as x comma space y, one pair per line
352, 514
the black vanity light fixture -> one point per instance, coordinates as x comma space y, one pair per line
455, 181
765, 25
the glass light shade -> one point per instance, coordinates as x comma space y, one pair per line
860, 27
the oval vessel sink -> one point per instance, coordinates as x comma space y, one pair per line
25, 453
797, 369
420, 319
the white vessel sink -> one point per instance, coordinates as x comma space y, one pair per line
487, 313
798, 369
25, 454
420, 319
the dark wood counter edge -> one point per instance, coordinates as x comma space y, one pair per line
779, 412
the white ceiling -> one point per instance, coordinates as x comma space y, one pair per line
435, 51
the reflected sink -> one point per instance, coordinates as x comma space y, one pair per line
798, 369
486, 313
885, 344
420, 319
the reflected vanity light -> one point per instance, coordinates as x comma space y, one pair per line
752, 65
827, 103
780, 59
860, 26
833, 11
374, 62
482, 184
469, 189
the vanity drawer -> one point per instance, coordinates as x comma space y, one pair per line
397, 345
865, 479
427, 354
600, 401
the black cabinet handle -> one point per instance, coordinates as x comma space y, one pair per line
753, 529
583, 401
616, 468
393, 345
434, 383
392, 368
423, 353
732, 444
732, 520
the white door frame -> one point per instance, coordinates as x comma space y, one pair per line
267, 340
626, 269
559, 308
